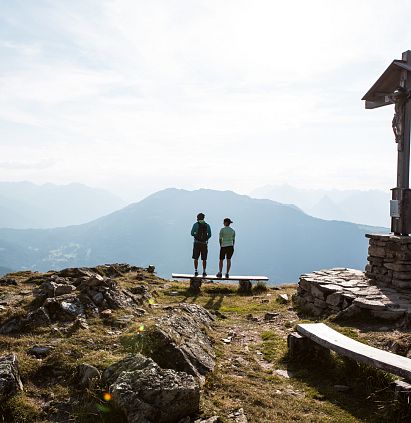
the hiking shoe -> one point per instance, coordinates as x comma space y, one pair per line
227, 275
195, 273
204, 274
219, 275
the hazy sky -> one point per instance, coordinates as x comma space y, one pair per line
136, 96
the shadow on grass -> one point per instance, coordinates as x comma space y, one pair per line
215, 301
369, 395
190, 294
366, 323
212, 291
362, 320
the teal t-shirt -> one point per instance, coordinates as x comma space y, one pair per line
227, 236
194, 230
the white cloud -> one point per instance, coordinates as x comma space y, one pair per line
42, 164
142, 95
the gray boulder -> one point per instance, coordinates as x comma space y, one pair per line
98, 298
148, 394
33, 320
37, 318
40, 351
88, 375
131, 363
64, 289
179, 341
77, 273
46, 289
10, 381
12, 324
64, 308
79, 323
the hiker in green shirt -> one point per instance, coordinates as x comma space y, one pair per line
227, 240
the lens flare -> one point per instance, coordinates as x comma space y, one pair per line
107, 396
151, 301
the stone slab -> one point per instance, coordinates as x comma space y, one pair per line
331, 288
369, 304
390, 238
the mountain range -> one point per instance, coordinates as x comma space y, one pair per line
366, 207
27, 205
273, 239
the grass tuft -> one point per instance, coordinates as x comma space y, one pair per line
20, 409
260, 287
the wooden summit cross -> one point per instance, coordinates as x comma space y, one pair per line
394, 87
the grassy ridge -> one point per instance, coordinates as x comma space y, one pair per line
249, 351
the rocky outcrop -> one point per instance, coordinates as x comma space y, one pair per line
10, 381
147, 393
348, 292
77, 293
179, 340
163, 385
108, 270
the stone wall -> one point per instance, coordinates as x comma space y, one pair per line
382, 291
389, 260
348, 292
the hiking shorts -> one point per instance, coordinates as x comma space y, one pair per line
226, 252
200, 248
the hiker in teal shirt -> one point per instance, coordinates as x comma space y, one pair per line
201, 232
227, 241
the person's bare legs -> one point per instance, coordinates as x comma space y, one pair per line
204, 265
195, 264
228, 265
220, 266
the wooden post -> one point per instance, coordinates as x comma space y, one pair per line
195, 284
244, 287
403, 175
298, 345
394, 87
402, 390
402, 225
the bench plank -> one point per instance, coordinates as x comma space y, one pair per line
214, 277
341, 344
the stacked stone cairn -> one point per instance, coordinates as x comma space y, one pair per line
389, 260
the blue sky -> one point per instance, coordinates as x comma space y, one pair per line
136, 96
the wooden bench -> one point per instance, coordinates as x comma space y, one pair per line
323, 335
196, 281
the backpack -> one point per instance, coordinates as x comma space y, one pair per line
201, 235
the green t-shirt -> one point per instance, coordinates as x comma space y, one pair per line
227, 236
